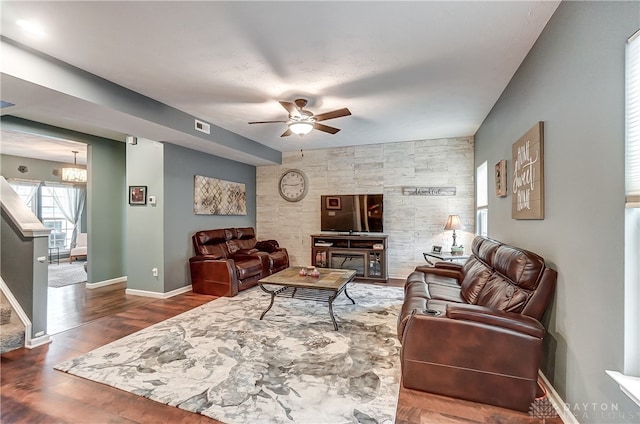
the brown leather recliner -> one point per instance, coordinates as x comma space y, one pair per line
230, 260
472, 331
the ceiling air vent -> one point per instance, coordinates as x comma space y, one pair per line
203, 127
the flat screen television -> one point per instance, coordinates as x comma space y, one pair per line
353, 213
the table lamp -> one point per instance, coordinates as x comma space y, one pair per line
454, 223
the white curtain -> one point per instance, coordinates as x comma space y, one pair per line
70, 200
27, 191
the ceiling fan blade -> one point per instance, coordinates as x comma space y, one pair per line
291, 108
287, 133
325, 128
333, 114
266, 122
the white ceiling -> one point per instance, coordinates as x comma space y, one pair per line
406, 70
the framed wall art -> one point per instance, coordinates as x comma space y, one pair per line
527, 185
212, 196
501, 178
137, 195
333, 203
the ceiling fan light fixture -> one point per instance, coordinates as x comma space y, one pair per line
301, 128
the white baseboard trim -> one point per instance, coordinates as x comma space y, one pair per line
558, 403
37, 341
157, 295
106, 282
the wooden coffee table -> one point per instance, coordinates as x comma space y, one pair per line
326, 287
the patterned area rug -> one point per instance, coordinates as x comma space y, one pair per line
221, 361
66, 274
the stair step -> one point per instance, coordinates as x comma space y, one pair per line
5, 310
11, 337
11, 328
5, 315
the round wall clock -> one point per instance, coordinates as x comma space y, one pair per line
293, 185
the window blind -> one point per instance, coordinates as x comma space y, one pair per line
632, 122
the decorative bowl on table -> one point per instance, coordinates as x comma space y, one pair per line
457, 251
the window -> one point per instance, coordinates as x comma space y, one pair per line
629, 380
27, 190
52, 217
57, 206
482, 200
632, 206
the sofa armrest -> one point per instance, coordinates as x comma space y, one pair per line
214, 276
448, 265
493, 317
442, 271
202, 258
245, 252
470, 360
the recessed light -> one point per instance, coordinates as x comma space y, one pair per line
32, 27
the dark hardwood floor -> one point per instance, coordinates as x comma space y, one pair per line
33, 392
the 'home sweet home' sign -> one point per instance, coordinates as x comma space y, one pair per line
527, 188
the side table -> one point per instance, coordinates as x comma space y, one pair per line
57, 250
443, 256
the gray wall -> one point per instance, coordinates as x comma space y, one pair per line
573, 80
180, 223
40, 170
24, 275
106, 196
144, 223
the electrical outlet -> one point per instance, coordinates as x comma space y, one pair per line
154, 272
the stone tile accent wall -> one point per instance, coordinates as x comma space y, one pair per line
413, 223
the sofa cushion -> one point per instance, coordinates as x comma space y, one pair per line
444, 292
232, 246
248, 267
487, 250
500, 293
279, 259
474, 280
268, 246
211, 243
522, 268
245, 233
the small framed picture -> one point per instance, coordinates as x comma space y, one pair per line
437, 249
333, 203
501, 178
137, 195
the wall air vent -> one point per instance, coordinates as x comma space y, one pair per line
203, 127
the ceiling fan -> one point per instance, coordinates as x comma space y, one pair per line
302, 121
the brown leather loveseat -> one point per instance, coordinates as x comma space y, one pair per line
473, 331
230, 260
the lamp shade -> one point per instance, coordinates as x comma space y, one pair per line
454, 223
301, 128
74, 175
